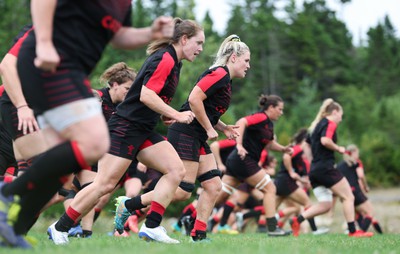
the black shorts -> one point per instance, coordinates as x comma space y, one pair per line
44, 90
359, 196
188, 147
325, 175
245, 187
241, 169
127, 140
7, 158
133, 172
152, 178
9, 118
285, 185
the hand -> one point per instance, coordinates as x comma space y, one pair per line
222, 168
230, 131
341, 149
26, 120
47, 57
212, 134
294, 176
185, 117
242, 152
167, 120
162, 27
288, 150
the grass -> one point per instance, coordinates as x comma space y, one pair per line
244, 243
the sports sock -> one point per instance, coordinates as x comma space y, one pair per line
134, 203
271, 224
228, 208
154, 216
313, 226
47, 168
351, 226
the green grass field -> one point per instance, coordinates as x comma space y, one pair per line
244, 243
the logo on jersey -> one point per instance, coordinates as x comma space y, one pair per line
108, 22
220, 109
130, 149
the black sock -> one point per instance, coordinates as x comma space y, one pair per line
96, 215
65, 223
86, 233
271, 224
252, 213
300, 219
225, 215
377, 227
366, 223
351, 226
47, 168
153, 220
134, 203
311, 221
31, 205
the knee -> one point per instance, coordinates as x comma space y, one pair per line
213, 186
182, 195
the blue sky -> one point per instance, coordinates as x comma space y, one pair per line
359, 15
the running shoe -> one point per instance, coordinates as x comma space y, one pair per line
188, 224
121, 213
226, 229
58, 237
360, 234
239, 221
75, 231
320, 231
295, 225
278, 232
158, 234
132, 224
124, 234
175, 228
6, 230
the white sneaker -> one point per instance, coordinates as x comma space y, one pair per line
320, 231
239, 221
158, 234
58, 237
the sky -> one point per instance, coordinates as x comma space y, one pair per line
359, 15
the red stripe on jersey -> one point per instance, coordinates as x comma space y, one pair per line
256, 118
263, 156
1, 90
78, 155
209, 80
100, 93
296, 150
160, 75
360, 164
15, 49
225, 143
146, 143
10, 170
330, 131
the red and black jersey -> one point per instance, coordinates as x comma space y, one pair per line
226, 146
82, 29
259, 132
217, 85
350, 172
160, 73
14, 50
107, 105
298, 162
325, 128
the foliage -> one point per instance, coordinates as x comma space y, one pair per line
305, 56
